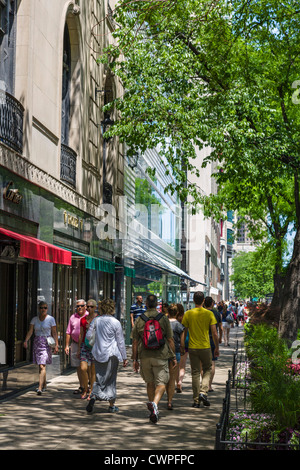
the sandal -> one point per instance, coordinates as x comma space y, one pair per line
113, 409
79, 391
84, 396
170, 406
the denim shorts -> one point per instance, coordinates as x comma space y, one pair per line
86, 354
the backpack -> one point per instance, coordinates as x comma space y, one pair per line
229, 318
153, 336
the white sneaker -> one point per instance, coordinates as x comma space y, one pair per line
152, 407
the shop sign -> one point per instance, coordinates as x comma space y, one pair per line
12, 195
73, 221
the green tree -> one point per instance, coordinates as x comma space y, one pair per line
221, 74
268, 213
253, 273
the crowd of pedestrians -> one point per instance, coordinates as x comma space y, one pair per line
163, 338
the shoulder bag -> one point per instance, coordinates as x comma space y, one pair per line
50, 340
89, 343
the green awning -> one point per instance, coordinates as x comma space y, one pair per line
129, 272
97, 264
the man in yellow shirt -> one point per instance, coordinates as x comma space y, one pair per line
198, 321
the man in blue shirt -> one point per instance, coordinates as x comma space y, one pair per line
137, 309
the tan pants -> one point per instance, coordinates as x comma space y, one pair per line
198, 358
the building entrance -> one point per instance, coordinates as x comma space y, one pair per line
69, 285
15, 304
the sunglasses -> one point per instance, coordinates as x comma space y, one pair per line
90, 306
79, 306
43, 308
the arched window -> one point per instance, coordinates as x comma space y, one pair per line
66, 80
7, 44
106, 123
11, 110
68, 155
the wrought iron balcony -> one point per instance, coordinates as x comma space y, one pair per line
11, 121
68, 165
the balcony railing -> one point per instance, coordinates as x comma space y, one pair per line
68, 165
11, 121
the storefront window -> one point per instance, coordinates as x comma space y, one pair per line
21, 323
69, 285
7, 310
161, 216
96, 285
15, 299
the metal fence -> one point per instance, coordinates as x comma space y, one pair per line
237, 400
11, 121
68, 165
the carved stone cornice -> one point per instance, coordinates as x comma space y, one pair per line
27, 170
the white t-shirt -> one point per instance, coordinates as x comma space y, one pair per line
43, 328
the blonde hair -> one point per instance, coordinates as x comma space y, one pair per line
107, 307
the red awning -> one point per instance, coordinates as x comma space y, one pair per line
33, 248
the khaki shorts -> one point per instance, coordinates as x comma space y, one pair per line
75, 361
155, 370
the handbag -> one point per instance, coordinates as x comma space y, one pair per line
92, 336
90, 342
51, 341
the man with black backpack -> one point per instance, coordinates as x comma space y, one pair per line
152, 348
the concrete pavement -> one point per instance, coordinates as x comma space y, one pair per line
57, 420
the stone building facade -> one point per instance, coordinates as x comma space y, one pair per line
56, 172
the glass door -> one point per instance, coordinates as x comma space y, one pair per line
61, 305
14, 310
22, 309
7, 310
68, 287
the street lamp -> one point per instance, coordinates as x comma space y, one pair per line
105, 125
133, 160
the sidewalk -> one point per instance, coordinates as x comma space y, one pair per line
57, 420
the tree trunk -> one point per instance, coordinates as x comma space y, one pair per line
278, 291
290, 308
